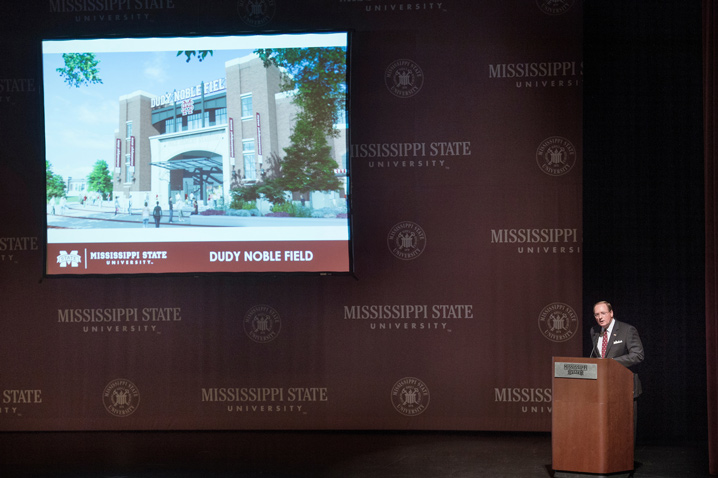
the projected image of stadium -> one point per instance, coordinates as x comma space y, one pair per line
197, 154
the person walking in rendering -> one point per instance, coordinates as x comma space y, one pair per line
157, 214
145, 215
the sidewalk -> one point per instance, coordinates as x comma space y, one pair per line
107, 207
105, 212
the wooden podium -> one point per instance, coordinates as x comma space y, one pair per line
592, 417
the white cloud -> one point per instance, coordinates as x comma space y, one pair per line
105, 112
156, 69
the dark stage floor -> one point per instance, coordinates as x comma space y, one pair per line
309, 454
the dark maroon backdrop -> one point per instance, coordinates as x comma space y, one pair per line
456, 334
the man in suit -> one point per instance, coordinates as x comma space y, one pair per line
618, 341
622, 342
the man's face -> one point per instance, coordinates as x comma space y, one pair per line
602, 315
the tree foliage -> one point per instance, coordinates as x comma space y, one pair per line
272, 190
317, 76
80, 69
308, 165
243, 194
200, 54
54, 184
100, 179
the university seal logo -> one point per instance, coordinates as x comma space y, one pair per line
556, 156
558, 322
410, 396
555, 7
262, 324
404, 78
256, 13
406, 240
121, 397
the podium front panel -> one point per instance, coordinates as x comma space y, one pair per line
592, 422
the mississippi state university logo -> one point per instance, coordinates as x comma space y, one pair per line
410, 396
121, 397
404, 78
555, 7
556, 156
256, 12
406, 240
73, 258
558, 322
262, 324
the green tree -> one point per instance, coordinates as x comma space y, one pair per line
242, 195
308, 165
100, 179
80, 69
272, 190
54, 184
318, 78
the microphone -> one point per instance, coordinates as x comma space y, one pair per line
595, 348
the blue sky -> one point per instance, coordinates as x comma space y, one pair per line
80, 123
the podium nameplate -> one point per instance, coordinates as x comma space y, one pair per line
587, 371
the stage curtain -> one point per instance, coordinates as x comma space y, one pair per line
710, 77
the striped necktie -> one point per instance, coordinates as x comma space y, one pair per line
604, 344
